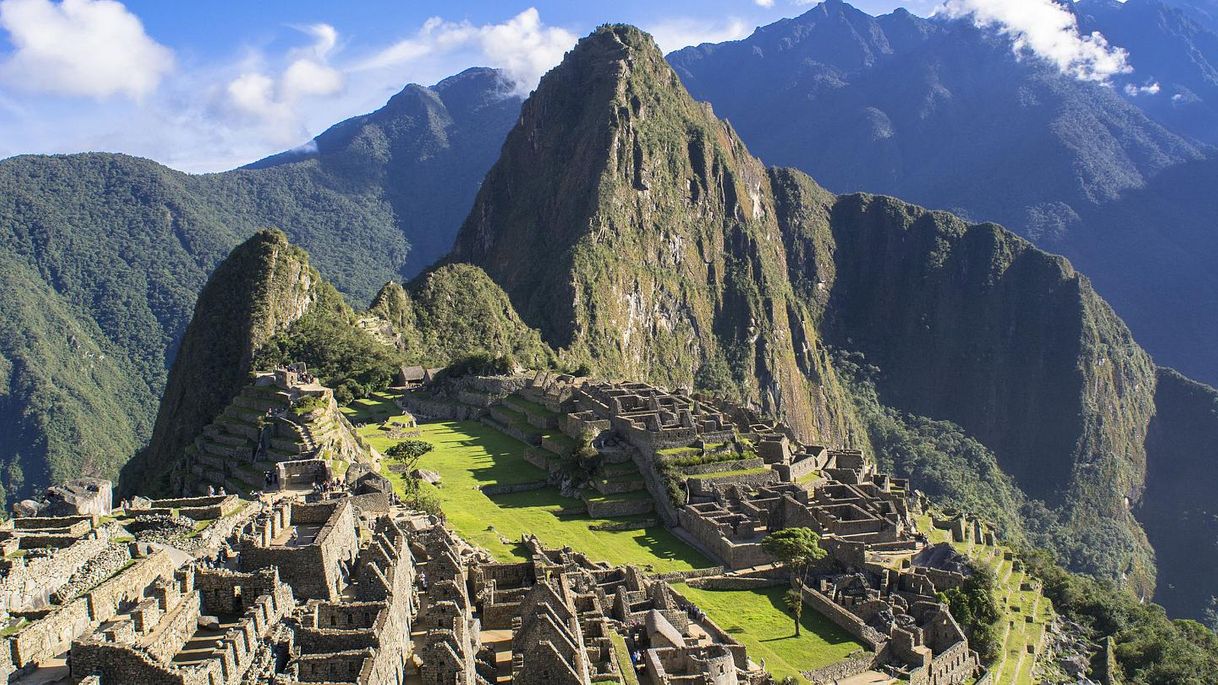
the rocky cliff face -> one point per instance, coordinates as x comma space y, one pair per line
1179, 509
971, 324
637, 233
264, 286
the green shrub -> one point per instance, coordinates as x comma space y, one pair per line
408, 450
975, 608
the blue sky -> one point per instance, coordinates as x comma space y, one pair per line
207, 86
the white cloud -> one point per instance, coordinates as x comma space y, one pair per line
674, 34
1149, 89
523, 47
1048, 30
94, 48
274, 102
764, 3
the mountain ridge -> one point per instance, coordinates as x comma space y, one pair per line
120, 247
662, 225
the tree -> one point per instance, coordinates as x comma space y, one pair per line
795, 602
794, 548
409, 452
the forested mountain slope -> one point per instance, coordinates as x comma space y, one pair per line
943, 114
113, 251
647, 242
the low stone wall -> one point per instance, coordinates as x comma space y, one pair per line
105, 599
430, 408
507, 489
841, 617
559, 447
197, 508
625, 525
722, 466
50, 635
735, 583
619, 508
793, 472
690, 574
846, 668
701, 487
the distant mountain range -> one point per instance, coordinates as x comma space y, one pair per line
944, 114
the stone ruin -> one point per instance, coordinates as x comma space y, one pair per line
82, 496
281, 430
741, 476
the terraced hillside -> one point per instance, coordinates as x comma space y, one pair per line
1027, 613
266, 424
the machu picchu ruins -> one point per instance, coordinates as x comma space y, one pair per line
303, 562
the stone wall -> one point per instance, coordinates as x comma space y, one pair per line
197, 508
128, 586
701, 487
313, 571
302, 472
734, 555
31, 581
509, 488
841, 617
50, 634
736, 583
846, 668
721, 466
797, 470
619, 508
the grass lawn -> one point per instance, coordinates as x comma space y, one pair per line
468, 455
762, 623
378, 406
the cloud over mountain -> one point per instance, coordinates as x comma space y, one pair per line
1048, 30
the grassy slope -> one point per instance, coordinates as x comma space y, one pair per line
469, 455
759, 620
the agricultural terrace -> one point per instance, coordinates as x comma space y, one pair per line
761, 622
1026, 612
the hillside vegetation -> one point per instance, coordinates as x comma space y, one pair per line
636, 232
111, 251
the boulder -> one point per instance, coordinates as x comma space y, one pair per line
28, 507
426, 476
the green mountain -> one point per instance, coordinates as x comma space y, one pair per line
635, 231
266, 306
105, 254
453, 311
257, 293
